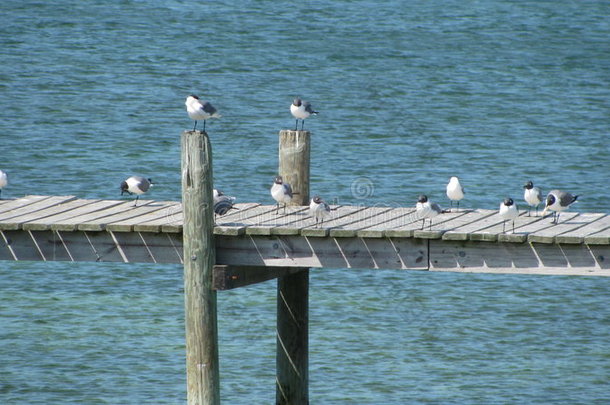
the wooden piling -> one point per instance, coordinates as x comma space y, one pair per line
294, 163
292, 352
202, 367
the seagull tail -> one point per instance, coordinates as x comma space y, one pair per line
216, 115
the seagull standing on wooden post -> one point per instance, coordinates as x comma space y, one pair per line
300, 110
200, 110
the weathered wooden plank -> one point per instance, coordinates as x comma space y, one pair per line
339, 216
550, 233
6, 218
446, 222
599, 238
397, 217
66, 217
531, 258
123, 220
359, 220
593, 227
413, 225
523, 226
295, 219
170, 215
230, 277
300, 251
12, 204
100, 209
41, 215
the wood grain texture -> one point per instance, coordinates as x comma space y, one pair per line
202, 367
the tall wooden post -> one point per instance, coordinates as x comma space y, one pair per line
292, 361
202, 368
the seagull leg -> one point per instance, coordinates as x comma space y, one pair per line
503, 226
513, 226
296, 124
302, 124
135, 204
204, 121
277, 208
195, 127
529, 211
430, 225
557, 218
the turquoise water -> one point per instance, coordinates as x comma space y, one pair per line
409, 94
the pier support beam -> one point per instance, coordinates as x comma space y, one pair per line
202, 367
292, 352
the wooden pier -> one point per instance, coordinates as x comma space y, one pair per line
71, 229
254, 243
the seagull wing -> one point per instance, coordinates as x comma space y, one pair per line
288, 189
436, 207
309, 108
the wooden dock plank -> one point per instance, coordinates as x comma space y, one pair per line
69, 215
397, 217
578, 235
360, 219
41, 217
549, 234
30, 209
12, 204
119, 213
444, 223
339, 216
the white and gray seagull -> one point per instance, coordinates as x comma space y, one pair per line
532, 196
137, 185
557, 201
3, 181
455, 191
508, 212
300, 110
281, 193
319, 209
427, 210
200, 110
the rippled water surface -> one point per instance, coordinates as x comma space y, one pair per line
409, 94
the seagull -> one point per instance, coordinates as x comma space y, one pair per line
3, 181
558, 201
281, 192
426, 209
508, 212
300, 110
136, 185
455, 191
222, 203
532, 196
200, 110
319, 209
